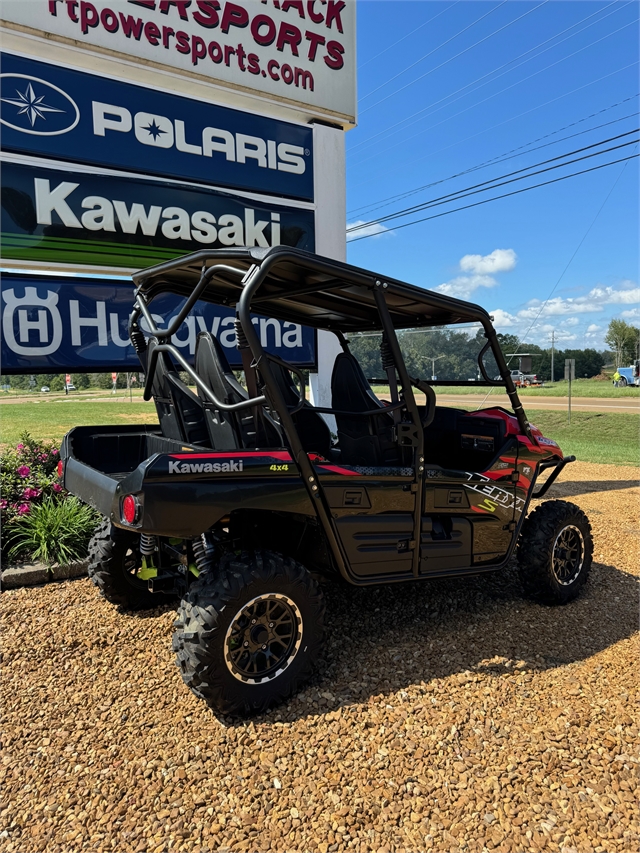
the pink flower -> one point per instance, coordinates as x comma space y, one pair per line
20, 447
4, 504
30, 494
23, 509
54, 452
43, 457
56, 487
24, 471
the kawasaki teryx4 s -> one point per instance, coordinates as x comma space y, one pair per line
241, 497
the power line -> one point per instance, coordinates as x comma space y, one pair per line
493, 71
562, 274
413, 32
447, 61
435, 49
493, 162
500, 92
486, 186
504, 195
519, 115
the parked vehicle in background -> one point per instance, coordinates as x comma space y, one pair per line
45, 389
521, 379
71, 387
629, 375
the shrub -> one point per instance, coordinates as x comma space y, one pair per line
29, 474
54, 531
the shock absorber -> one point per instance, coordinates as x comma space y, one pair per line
148, 544
204, 551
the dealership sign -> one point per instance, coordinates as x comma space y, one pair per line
55, 112
104, 220
53, 324
302, 51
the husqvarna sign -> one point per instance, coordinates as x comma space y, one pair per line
297, 51
51, 324
79, 117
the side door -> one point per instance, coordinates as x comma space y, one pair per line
373, 512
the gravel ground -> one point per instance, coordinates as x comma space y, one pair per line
450, 716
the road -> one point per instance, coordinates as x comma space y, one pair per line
578, 404
530, 403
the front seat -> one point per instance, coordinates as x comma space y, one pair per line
362, 440
314, 434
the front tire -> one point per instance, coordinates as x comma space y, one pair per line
555, 552
114, 558
248, 634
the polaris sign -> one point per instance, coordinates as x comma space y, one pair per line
53, 324
82, 118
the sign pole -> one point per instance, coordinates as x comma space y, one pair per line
570, 375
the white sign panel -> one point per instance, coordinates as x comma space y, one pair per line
301, 51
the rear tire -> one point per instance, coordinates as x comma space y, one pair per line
114, 557
248, 634
555, 552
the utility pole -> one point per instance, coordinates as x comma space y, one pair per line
433, 365
553, 340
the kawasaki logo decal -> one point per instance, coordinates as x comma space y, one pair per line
232, 465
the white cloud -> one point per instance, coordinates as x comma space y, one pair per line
374, 230
482, 268
502, 319
500, 260
594, 301
464, 285
631, 314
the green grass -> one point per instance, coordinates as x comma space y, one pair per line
612, 438
609, 437
51, 420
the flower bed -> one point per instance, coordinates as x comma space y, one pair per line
40, 520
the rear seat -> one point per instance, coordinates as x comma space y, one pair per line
230, 430
180, 412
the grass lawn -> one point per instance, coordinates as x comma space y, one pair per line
51, 420
611, 437
592, 436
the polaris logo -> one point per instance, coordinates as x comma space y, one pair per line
162, 132
232, 466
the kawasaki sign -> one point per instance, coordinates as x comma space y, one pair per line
59, 113
54, 215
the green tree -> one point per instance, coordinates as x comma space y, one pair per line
624, 339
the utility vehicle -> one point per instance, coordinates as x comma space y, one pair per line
240, 499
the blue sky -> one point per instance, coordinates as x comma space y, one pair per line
514, 82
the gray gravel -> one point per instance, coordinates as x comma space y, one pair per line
450, 716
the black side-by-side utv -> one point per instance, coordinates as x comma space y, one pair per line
241, 497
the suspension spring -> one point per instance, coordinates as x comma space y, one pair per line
241, 338
385, 354
138, 340
204, 551
148, 544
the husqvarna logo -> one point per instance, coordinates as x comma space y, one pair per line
34, 106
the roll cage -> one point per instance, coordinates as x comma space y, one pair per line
310, 290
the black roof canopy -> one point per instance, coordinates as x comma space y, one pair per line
304, 288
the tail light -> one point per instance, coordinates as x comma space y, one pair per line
60, 468
130, 509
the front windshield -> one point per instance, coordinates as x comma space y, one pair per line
437, 353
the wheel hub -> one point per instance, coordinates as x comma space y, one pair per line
263, 638
568, 554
